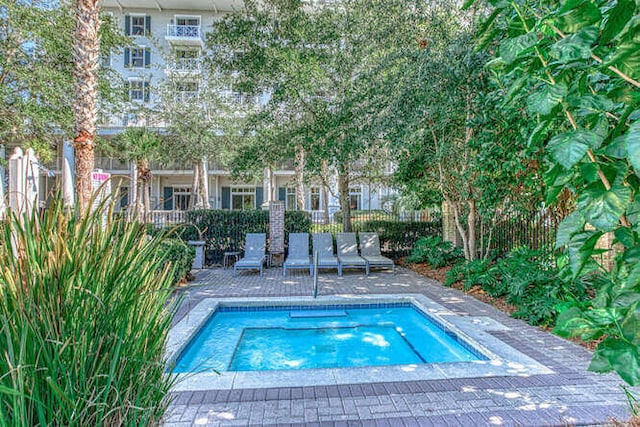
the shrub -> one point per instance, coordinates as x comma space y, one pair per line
397, 238
84, 316
434, 252
297, 221
178, 255
471, 273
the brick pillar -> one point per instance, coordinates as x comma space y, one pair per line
276, 231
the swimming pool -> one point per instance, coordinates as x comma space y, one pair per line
239, 338
489, 356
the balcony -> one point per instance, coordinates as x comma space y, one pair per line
184, 35
185, 66
186, 96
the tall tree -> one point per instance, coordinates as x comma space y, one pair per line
86, 55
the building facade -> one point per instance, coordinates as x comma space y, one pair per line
168, 43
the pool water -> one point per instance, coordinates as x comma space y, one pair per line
235, 339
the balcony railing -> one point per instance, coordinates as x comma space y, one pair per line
184, 31
186, 65
186, 96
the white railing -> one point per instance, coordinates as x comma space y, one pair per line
183, 31
186, 65
317, 217
186, 96
159, 218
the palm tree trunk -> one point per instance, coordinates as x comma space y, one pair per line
86, 52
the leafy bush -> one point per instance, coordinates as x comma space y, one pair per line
471, 273
297, 222
178, 255
434, 252
526, 278
84, 315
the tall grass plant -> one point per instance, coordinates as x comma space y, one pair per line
84, 314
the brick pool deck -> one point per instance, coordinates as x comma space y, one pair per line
570, 396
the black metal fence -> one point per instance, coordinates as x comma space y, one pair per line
535, 229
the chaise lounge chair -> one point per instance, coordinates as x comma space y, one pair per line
348, 253
254, 253
298, 256
370, 251
323, 244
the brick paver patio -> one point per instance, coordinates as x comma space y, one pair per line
570, 396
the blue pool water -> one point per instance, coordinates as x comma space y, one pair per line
235, 339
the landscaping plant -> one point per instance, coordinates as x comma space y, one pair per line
435, 252
575, 65
84, 314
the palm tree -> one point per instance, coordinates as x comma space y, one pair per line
141, 146
86, 54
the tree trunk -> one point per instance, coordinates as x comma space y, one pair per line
86, 53
471, 230
463, 235
202, 186
345, 202
299, 170
325, 193
144, 177
193, 202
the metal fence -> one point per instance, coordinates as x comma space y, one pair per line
535, 229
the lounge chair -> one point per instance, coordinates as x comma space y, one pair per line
348, 253
323, 244
254, 253
298, 256
370, 251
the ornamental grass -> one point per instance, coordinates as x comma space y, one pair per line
84, 314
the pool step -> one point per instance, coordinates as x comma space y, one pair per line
306, 314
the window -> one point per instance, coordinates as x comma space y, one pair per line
181, 198
243, 198
188, 20
355, 198
315, 198
138, 90
291, 202
137, 25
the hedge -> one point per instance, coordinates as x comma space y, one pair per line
225, 231
179, 254
397, 238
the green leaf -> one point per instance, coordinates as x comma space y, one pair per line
571, 224
620, 356
603, 208
632, 142
576, 46
511, 49
538, 134
543, 101
580, 249
625, 236
586, 13
617, 19
467, 4
569, 148
596, 103
617, 149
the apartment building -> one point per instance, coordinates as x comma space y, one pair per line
168, 43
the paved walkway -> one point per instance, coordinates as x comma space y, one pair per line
570, 396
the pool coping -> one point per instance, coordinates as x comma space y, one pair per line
503, 360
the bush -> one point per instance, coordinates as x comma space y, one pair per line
434, 252
297, 222
397, 238
527, 279
84, 316
178, 256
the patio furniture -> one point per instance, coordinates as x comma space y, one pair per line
370, 251
323, 244
229, 259
298, 256
348, 253
254, 253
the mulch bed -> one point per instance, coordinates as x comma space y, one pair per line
478, 293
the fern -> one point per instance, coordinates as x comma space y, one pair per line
435, 252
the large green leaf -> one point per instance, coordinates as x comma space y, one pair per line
511, 49
569, 148
603, 208
586, 13
571, 224
576, 46
580, 249
620, 356
632, 142
544, 100
625, 236
617, 19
